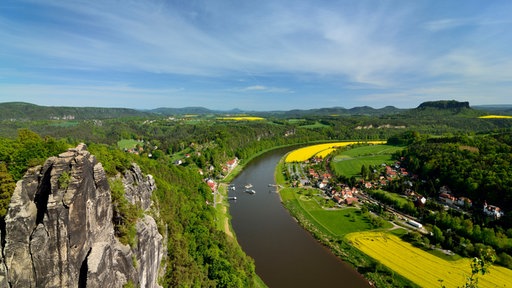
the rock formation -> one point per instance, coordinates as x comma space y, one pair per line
59, 230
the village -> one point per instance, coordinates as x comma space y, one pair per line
314, 173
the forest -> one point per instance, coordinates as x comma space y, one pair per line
476, 167
471, 154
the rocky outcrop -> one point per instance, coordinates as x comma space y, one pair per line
59, 230
444, 104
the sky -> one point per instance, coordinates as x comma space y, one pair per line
263, 55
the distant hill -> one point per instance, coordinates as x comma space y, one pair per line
444, 104
338, 111
495, 109
27, 111
182, 111
433, 109
334, 111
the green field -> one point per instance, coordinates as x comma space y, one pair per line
335, 222
349, 162
396, 197
127, 143
65, 124
314, 126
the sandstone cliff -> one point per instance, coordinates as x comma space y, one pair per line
59, 230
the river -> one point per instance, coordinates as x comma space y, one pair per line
285, 254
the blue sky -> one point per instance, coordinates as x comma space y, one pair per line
255, 55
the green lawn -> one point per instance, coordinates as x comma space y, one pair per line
383, 149
336, 222
314, 126
341, 222
349, 162
127, 143
65, 124
398, 198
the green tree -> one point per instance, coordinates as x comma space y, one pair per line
437, 235
7, 186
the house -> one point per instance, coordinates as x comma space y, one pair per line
445, 189
351, 200
447, 198
420, 201
231, 164
211, 184
493, 211
337, 199
390, 172
323, 183
463, 201
347, 193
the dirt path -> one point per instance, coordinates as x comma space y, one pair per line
227, 228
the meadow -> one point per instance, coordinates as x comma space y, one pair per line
335, 222
321, 150
421, 267
127, 143
349, 162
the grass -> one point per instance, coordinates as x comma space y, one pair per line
336, 222
399, 199
305, 153
127, 143
421, 267
314, 126
221, 210
349, 162
65, 124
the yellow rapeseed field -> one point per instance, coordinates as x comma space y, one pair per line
321, 150
242, 118
421, 267
495, 117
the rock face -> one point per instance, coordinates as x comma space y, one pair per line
59, 230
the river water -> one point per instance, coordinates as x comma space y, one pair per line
285, 254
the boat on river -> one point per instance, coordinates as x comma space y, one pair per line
248, 186
250, 191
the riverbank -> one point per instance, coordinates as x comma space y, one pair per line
310, 215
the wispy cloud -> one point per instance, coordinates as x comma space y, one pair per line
261, 88
278, 47
445, 24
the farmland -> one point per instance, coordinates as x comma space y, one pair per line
321, 150
242, 118
496, 117
420, 266
349, 162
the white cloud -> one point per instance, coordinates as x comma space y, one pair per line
261, 88
445, 24
340, 48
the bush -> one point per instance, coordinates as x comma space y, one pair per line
64, 179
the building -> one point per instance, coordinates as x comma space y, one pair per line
493, 211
